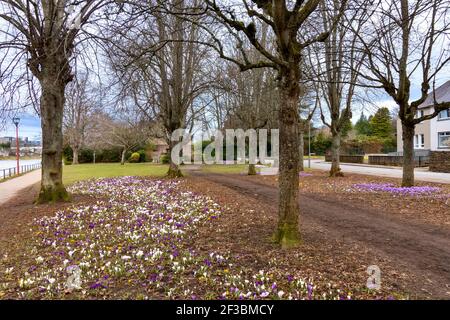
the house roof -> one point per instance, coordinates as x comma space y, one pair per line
442, 94
160, 142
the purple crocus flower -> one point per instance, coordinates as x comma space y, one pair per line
96, 285
207, 262
153, 277
258, 283
310, 291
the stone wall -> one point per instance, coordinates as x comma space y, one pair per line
386, 160
347, 159
440, 161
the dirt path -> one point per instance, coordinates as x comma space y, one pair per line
418, 248
11, 188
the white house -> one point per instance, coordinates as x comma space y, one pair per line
432, 134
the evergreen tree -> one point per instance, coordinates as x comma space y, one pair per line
348, 126
363, 127
381, 123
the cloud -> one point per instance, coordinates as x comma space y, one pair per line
389, 103
30, 126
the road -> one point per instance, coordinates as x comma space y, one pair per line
421, 174
421, 249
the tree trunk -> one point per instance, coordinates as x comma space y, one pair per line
122, 160
408, 155
301, 154
75, 156
335, 156
287, 233
174, 170
52, 107
252, 170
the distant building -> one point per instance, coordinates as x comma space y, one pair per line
432, 134
31, 151
6, 140
27, 147
23, 141
161, 148
4, 152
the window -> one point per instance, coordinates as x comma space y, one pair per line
419, 141
420, 114
444, 115
444, 140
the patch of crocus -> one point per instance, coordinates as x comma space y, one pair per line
391, 188
140, 232
305, 174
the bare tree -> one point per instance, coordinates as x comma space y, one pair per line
252, 96
40, 37
286, 20
254, 105
78, 111
308, 104
126, 134
164, 64
406, 40
335, 70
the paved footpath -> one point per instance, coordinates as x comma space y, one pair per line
10, 188
421, 174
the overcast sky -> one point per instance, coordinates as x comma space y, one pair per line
30, 126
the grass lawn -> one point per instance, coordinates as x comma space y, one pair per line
72, 173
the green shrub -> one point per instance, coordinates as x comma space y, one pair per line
390, 145
134, 157
363, 144
109, 155
87, 155
321, 144
165, 159
67, 154
142, 155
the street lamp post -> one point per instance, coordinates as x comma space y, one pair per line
309, 144
16, 121
309, 138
